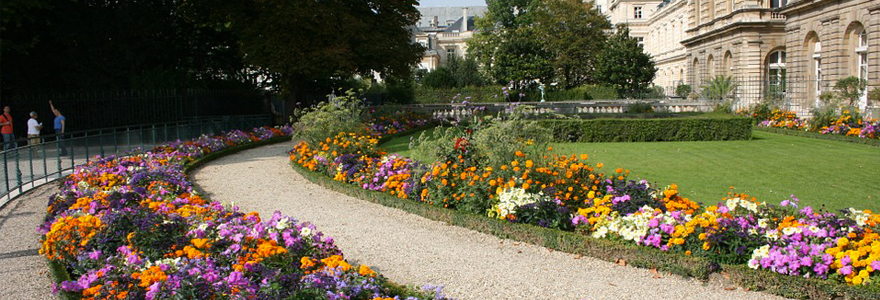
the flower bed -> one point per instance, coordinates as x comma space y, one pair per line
566, 193
134, 228
846, 124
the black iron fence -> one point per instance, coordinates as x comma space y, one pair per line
800, 95
101, 109
50, 157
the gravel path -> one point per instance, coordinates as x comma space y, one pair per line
24, 273
411, 250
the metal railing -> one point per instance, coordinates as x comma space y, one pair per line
53, 156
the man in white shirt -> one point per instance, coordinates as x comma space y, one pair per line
34, 131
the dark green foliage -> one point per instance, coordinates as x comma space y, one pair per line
457, 73
640, 108
650, 130
522, 41
545, 214
683, 91
850, 89
306, 43
493, 93
439, 78
399, 90
625, 65
71, 45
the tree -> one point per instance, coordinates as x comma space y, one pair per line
507, 46
574, 34
624, 64
70, 45
527, 40
305, 43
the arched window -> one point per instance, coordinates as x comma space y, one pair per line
695, 73
776, 73
813, 49
710, 64
727, 64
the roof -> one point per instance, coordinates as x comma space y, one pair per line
457, 25
445, 14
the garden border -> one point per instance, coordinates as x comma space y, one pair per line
816, 135
612, 251
60, 274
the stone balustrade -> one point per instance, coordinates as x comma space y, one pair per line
457, 110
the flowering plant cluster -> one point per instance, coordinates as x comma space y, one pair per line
134, 228
567, 192
396, 123
847, 123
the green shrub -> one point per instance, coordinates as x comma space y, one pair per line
649, 130
342, 114
640, 108
491, 93
822, 116
683, 91
874, 95
850, 89
501, 139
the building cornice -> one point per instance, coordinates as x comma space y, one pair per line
733, 26
666, 10
730, 15
797, 6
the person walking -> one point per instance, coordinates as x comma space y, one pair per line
60, 126
33, 132
6, 123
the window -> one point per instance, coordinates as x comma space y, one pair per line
637, 12
641, 41
862, 56
450, 52
778, 3
817, 68
776, 73
599, 8
710, 64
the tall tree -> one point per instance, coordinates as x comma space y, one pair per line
625, 65
507, 46
69, 45
574, 34
527, 40
305, 43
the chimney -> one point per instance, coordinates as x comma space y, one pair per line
464, 20
435, 22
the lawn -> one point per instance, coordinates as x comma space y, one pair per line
770, 167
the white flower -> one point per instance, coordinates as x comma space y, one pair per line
306, 232
753, 263
762, 223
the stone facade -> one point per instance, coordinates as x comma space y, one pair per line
772, 48
830, 40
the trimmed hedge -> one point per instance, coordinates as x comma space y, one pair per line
816, 135
650, 130
608, 250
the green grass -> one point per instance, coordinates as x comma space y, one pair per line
770, 167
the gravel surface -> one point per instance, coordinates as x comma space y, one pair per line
412, 250
25, 274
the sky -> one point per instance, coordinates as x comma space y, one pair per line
436, 3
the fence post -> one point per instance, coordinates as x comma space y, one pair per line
18, 169
86, 138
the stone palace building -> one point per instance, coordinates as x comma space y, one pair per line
792, 50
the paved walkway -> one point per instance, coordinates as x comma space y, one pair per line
412, 250
25, 274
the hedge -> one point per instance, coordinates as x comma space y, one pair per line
816, 135
649, 130
608, 250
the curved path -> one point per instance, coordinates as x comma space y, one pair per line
24, 273
411, 250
